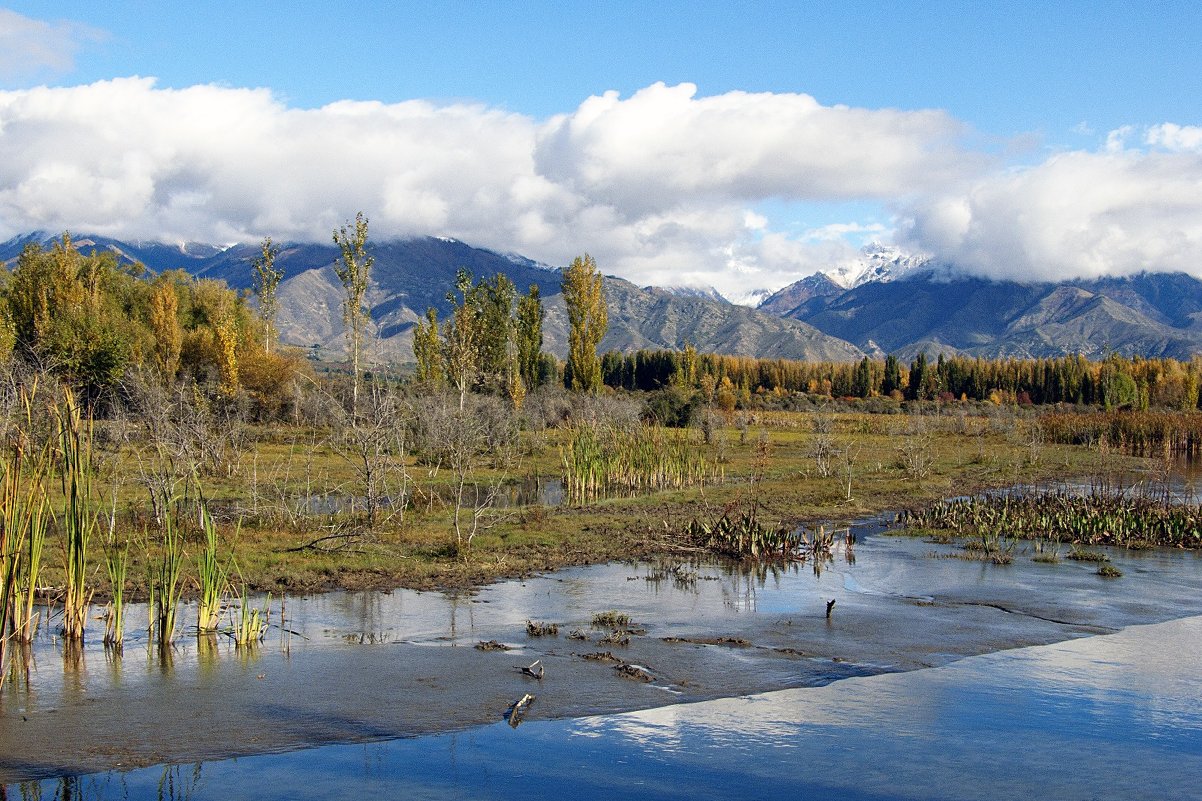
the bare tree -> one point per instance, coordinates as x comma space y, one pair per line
374, 441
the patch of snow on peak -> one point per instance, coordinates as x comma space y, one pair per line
705, 292
752, 297
875, 262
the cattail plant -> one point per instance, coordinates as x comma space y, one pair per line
116, 562
164, 581
212, 577
79, 519
251, 623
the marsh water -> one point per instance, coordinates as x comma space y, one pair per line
933, 677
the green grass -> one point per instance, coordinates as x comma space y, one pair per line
286, 464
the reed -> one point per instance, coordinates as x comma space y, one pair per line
1139, 433
251, 623
212, 576
600, 462
79, 520
164, 581
25, 518
116, 563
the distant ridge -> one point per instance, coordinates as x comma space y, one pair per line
412, 275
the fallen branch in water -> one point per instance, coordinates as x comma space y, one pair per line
517, 709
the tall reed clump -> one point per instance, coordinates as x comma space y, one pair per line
1141, 433
25, 517
164, 580
80, 518
597, 462
212, 577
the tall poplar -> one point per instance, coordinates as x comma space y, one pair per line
529, 336
588, 317
266, 280
354, 271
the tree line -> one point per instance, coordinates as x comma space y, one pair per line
732, 380
90, 319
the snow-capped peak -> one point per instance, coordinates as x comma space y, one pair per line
875, 262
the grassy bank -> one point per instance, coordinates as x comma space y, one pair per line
294, 512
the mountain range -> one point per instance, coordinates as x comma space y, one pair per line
905, 304
412, 275
884, 301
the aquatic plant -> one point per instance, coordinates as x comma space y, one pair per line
251, 624
610, 620
164, 580
79, 520
538, 629
1140, 433
1109, 571
1079, 554
116, 562
1093, 518
25, 519
597, 462
212, 576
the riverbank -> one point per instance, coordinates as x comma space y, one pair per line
367, 666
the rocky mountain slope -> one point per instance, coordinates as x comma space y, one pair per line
1151, 314
411, 275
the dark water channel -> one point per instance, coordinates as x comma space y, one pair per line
933, 677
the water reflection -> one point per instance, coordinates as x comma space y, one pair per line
1103, 717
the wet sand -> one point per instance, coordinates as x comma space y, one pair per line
374, 666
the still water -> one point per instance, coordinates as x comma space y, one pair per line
934, 677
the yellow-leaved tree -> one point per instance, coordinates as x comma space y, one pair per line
588, 317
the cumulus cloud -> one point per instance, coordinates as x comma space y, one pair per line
658, 186
1118, 211
32, 48
662, 187
664, 142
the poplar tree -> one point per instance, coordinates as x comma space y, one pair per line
461, 337
427, 348
529, 336
266, 280
584, 295
354, 271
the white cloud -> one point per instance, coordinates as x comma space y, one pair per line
664, 142
1078, 214
657, 186
662, 187
31, 48
1173, 137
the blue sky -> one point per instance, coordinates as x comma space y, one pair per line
1010, 107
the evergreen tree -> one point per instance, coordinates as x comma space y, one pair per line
892, 381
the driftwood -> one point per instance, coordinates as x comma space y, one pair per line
517, 710
534, 670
